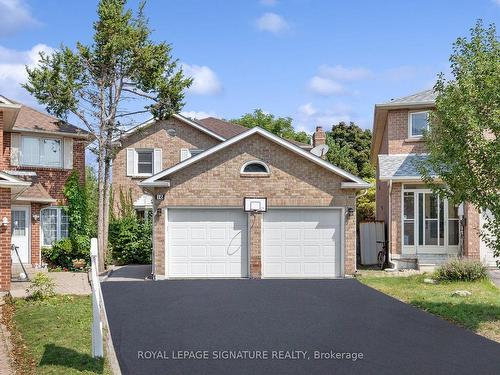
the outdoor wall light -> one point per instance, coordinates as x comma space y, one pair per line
5, 221
350, 211
35, 217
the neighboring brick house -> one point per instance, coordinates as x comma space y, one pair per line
195, 176
423, 230
39, 152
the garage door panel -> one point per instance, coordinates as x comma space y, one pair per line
309, 244
207, 243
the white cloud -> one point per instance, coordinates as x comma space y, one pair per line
15, 15
205, 81
308, 120
198, 114
273, 23
271, 3
13, 70
325, 86
307, 109
341, 73
497, 2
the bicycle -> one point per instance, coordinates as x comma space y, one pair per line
383, 255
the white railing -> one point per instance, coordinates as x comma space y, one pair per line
97, 343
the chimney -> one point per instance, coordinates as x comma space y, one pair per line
319, 136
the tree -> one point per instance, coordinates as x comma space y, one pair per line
122, 74
92, 191
350, 149
281, 126
464, 129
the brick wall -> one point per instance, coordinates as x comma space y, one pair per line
156, 136
35, 234
397, 135
293, 182
255, 223
395, 219
5, 256
52, 179
472, 240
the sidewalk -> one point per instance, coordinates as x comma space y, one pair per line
66, 283
495, 276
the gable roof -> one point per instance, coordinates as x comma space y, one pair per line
177, 116
419, 100
223, 128
32, 120
354, 183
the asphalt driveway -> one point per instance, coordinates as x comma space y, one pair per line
281, 327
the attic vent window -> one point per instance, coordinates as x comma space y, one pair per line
255, 168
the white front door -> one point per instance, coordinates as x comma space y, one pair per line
206, 243
485, 251
21, 233
302, 243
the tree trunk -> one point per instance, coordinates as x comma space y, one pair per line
100, 221
107, 190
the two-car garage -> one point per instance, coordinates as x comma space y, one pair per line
214, 243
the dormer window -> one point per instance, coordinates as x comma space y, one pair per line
418, 122
255, 168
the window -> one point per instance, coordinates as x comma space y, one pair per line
418, 122
54, 223
255, 167
45, 152
409, 218
145, 162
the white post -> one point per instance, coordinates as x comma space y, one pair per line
97, 346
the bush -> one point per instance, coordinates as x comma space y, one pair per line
130, 238
461, 270
41, 287
63, 252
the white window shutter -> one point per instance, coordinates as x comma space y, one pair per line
185, 154
15, 149
157, 160
68, 153
130, 162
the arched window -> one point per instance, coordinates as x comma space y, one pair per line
255, 167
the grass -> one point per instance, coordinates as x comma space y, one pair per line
479, 312
53, 336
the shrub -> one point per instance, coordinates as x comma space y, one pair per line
41, 287
130, 238
63, 252
461, 270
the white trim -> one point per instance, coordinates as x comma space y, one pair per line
11, 181
411, 136
259, 162
136, 162
430, 103
256, 130
176, 116
58, 225
52, 133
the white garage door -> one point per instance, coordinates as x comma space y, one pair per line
207, 243
302, 243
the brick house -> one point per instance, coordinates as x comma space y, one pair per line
39, 152
235, 202
423, 230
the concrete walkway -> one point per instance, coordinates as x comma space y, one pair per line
130, 272
495, 276
66, 283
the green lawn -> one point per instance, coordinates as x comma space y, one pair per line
54, 336
479, 312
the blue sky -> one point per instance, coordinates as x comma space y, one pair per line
318, 62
